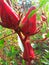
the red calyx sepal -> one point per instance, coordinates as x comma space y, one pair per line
29, 25
28, 51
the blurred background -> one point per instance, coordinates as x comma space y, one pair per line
10, 52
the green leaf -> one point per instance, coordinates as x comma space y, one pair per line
17, 0
32, 12
5, 62
43, 2
44, 28
38, 51
8, 42
38, 17
12, 49
9, 54
1, 60
23, 62
47, 7
47, 55
14, 62
0, 34
35, 46
8, 32
45, 46
1, 28
1, 43
45, 61
47, 35
12, 2
6, 51
48, 18
39, 36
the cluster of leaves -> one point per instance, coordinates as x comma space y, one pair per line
9, 49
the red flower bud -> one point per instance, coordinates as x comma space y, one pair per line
28, 51
43, 18
9, 17
29, 25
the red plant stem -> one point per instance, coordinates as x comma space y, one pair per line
23, 41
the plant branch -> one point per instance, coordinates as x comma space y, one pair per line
7, 36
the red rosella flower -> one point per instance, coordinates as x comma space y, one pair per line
28, 51
9, 18
29, 25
